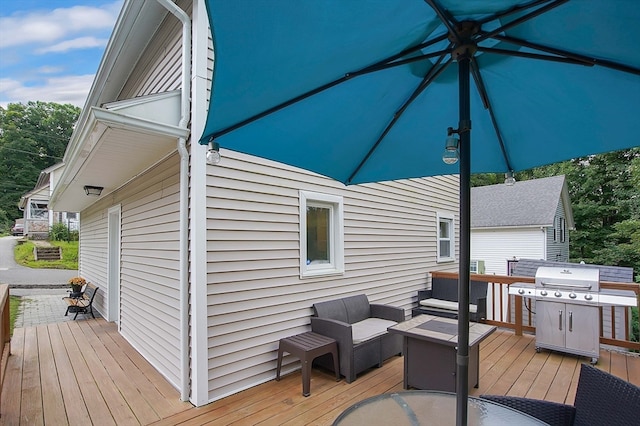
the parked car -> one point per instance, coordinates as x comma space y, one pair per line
17, 229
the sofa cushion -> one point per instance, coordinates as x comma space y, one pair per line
332, 309
357, 308
362, 331
446, 305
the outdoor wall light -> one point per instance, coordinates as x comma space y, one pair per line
93, 190
450, 154
213, 154
509, 179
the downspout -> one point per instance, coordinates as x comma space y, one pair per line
184, 196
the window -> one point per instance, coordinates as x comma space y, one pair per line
321, 234
38, 210
562, 224
445, 238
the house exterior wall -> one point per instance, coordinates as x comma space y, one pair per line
255, 295
496, 245
159, 70
149, 293
558, 250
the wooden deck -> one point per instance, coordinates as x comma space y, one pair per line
84, 372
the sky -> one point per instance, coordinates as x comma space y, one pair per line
50, 50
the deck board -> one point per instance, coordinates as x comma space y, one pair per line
52, 402
84, 372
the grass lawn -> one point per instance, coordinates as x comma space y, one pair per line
24, 256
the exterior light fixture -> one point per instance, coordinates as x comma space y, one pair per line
93, 190
509, 179
213, 154
450, 154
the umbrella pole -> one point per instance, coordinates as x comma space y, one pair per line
464, 129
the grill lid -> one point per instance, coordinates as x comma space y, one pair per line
585, 279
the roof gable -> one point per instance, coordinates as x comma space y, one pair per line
526, 203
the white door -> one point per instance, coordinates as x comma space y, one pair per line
113, 269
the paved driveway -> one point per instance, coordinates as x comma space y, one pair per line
18, 276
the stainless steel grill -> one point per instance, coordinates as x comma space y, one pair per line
579, 285
567, 315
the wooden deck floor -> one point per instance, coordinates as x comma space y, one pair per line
114, 385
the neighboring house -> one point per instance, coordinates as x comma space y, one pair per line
530, 219
205, 267
38, 217
617, 274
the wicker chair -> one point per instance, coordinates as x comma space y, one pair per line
601, 399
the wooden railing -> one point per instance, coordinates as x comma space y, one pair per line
5, 333
515, 312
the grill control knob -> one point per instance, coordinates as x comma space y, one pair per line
543, 292
557, 294
521, 291
588, 297
572, 295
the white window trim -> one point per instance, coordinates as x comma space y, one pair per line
450, 217
336, 266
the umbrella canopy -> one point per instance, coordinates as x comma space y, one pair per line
365, 91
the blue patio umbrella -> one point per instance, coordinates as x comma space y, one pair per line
366, 91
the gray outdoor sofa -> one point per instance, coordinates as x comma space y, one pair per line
360, 328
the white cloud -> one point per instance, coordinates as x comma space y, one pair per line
51, 26
70, 89
76, 43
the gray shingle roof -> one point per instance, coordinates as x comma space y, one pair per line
620, 274
527, 203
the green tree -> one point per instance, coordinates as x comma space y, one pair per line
32, 137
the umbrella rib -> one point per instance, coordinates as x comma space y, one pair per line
447, 19
515, 9
477, 77
382, 66
520, 20
482, 90
434, 72
278, 107
533, 55
408, 51
578, 57
379, 66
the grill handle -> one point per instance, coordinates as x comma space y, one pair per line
565, 285
560, 320
570, 321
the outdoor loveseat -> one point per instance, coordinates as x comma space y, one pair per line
442, 299
360, 329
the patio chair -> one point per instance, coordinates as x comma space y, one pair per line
82, 304
601, 399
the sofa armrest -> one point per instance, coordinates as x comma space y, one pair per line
425, 294
481, 312
388, 312
338, 330
549, 412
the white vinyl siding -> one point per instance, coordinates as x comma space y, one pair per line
255, 294
496, 245
160, 68
149, 272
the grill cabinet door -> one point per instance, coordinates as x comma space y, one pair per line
583, 329
550, 324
